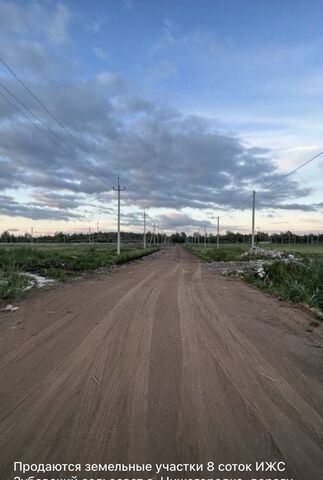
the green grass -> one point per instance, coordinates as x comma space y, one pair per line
12, 285
58, 262
295, 282
315, 250
211, 253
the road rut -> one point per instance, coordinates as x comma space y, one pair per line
162, 361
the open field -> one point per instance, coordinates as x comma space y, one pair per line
303, 249
160, 362
236, 248
210, 252
58, 262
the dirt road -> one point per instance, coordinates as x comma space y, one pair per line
162, 361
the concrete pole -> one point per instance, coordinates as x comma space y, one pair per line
118, 190
118, 240
144, 228
218, 233
253, 219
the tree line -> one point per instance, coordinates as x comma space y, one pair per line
178, 237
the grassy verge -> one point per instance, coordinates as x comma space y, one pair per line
300, 282
293, 282
57, 262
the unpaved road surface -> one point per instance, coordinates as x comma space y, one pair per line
162, 361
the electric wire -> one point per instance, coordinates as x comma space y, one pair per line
94, 167
266, 187
89, 171
10, 69
290, 173
110, 173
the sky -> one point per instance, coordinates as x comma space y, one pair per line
194, 104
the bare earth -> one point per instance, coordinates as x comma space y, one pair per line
162, 361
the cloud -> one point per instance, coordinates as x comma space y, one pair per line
12, 208
32, 59
56, 200
177, 220
49, 23
304, 207
57, 27
167, 158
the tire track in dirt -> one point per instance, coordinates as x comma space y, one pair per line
292, 426
160, 362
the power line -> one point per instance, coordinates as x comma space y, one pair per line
290, 173
50, 113
93, 172
89, 171
99, 171
279, 179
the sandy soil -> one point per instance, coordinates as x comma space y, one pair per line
162, 361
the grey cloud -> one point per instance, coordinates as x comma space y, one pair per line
56, 200
167, 159
32, 59
135, 219
314, 207
8, 206
50, 24
173, 220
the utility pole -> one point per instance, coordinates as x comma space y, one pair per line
144, 228
218, 233
151, 239
253, 219
204, 235
32, 235
118, 189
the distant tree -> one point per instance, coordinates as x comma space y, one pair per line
178, 237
